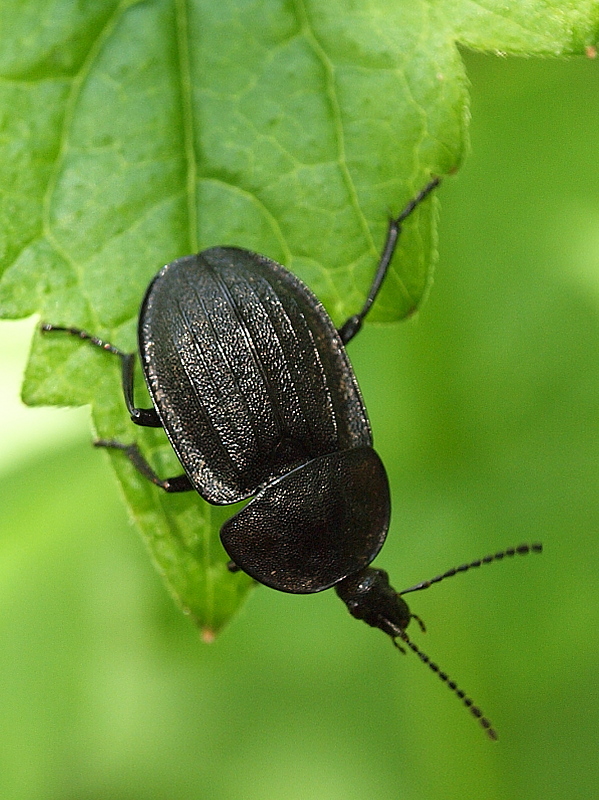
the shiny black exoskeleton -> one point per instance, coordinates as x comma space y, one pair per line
253, 386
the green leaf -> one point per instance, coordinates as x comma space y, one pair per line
137, 132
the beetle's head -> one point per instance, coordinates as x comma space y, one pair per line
369, 596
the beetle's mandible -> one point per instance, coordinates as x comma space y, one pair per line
252, 384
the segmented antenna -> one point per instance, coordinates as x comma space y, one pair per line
443, 676
521, 550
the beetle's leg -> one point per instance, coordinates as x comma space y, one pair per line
141, 416
180, 483
349, 329
419, 621
399, 647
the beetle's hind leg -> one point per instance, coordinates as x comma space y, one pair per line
141, 416
180, 483
352, 326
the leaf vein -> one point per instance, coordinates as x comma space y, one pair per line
69, 115
320, 52
187, 118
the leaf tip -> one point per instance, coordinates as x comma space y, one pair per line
208, 635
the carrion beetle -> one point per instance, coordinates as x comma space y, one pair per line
252, 384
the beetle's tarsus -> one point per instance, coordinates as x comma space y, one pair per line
180, 483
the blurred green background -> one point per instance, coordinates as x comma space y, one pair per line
485, 410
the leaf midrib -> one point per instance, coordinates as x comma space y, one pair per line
182, 23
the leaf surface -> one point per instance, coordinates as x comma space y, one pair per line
137, 132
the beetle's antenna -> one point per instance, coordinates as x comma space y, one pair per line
443, 676
521, 550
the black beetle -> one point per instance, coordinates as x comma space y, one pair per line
252, 384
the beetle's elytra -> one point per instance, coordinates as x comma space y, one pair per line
254, 389
252, 384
